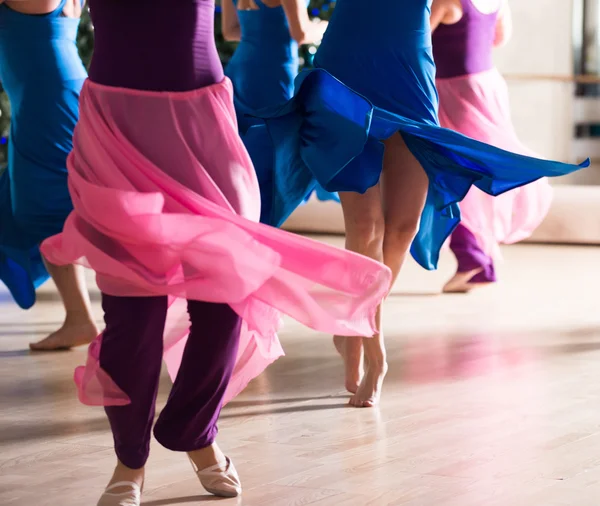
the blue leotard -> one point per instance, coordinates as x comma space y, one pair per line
42, 73
262, 70
375, 76
265, 62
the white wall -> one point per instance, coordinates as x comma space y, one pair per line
541, 44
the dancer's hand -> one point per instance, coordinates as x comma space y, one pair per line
302, 30
230, 23
503, 25
317, 30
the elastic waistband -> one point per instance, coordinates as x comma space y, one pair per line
224, 85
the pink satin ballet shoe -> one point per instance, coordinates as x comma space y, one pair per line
221, 479
131, 497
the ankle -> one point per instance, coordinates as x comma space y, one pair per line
78, 318
207, 456
124, 473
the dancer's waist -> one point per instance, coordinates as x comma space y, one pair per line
156, 47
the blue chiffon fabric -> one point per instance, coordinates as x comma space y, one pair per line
375, 76
262, 71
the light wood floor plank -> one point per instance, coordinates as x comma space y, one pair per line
493, 399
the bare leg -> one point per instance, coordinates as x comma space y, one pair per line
363, 218
79, 327
404, 187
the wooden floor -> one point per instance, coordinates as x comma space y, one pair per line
493, 399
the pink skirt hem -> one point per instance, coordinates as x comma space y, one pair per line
478, 106
167, 202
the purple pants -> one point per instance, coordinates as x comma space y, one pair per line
470, 256
131, 353
171, 48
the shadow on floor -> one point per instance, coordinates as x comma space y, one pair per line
54, 296
182, 500
415, 294
290, 409
268, 402
15, 353
30, 431
26, 323
37, 332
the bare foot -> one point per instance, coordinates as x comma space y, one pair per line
461, 282
369, 391
68, 336
119, 491
351, 350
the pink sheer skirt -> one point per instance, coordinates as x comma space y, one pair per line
167, 202
477, 106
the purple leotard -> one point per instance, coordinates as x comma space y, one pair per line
154, 45
465, 47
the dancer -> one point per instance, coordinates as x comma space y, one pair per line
265, 62
166, 208
42, 73
474, 101
364, 123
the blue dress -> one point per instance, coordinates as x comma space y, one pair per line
262, 70
375, 76
265, 62
42, 73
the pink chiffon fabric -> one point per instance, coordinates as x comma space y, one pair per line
166, 202
477, 106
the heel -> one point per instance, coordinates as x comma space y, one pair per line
221, 480
131, 497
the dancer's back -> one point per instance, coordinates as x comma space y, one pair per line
42, 73
355, 22
369, 46
154, 45
465, 47
265, 62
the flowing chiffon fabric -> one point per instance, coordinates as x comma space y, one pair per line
363, 90
167, 202
477, 106
330, 134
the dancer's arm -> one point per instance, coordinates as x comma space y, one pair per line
230, 23
302, 29
72, 9
32, 6
503, 25
445, 12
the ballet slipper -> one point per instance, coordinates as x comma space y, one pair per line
131, 497
221, 480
